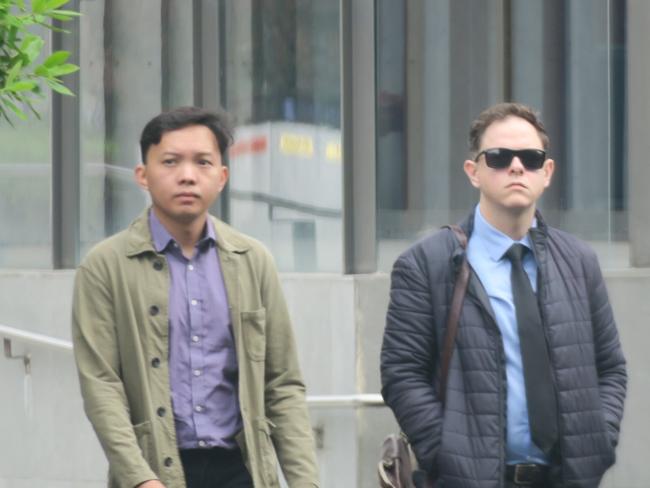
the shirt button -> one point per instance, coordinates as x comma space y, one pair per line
190, 267
155, 362
197, 372
168, 462
153, 310
195, 338
193, 302
199, 408
161, 412
157, 265
202, 443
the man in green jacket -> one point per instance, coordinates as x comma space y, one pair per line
183, 341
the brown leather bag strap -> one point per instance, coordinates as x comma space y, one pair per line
460, 287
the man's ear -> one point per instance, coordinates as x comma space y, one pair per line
140, 175
548, 168
223, 177
471, 169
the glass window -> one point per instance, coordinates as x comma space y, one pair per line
281, 82
273, 66
25, 188
441, 62
129, 72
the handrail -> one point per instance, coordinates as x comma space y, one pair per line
32, 337
315, 401
357, 400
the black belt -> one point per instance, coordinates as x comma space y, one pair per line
532, 475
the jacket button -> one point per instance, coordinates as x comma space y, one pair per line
155, 362
168, 462
161, 411
157, 265
153, 310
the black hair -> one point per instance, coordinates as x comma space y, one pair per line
178, 118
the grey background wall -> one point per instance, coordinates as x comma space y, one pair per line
46, 440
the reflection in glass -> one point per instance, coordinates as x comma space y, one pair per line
281, 82
441, 62
123, 85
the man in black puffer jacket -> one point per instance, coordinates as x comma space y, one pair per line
535, 393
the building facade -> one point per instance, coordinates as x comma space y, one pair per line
351, 121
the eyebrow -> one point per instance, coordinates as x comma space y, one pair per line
173, 153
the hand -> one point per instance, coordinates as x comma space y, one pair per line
151, 484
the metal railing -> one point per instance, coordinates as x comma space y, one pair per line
10, 334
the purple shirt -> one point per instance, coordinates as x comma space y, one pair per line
203, 372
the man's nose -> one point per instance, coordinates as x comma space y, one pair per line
516, 165
187, 172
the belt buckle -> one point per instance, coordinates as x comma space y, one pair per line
525, 474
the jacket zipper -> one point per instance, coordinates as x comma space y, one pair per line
541, 292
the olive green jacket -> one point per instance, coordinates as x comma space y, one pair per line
120, 331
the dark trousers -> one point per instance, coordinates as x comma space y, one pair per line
215, 468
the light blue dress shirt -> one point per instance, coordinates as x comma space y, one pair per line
485, 253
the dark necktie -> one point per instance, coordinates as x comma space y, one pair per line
540, 392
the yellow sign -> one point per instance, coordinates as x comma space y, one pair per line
333, 151
297, 145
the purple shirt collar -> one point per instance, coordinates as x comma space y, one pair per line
162, 238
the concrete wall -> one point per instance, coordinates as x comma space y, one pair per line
46, 440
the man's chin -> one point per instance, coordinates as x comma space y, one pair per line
189, 217
518, 208
186, 216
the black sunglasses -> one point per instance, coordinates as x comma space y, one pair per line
501, 157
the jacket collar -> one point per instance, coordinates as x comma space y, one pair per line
228, 239
139, 239
538, 237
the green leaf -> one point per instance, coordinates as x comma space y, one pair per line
54, 4
61, 17
66, 13
56, 58
42, 71
13, 73
13, 32
21, 86
64, 69
59, 88
39, 6
24, 77
38, 19
15, 109
31, 47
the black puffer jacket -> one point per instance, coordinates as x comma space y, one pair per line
464, 446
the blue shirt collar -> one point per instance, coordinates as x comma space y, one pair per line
162, 238
496, 242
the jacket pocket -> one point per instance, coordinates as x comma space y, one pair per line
253, 326
604, 440
267, 458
